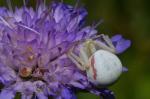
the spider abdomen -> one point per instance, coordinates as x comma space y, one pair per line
105, 68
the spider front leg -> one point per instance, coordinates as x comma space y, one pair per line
108, 41
108, 46
76, 60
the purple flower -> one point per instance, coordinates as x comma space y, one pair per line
33, 44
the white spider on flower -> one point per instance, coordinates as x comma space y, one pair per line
98, 59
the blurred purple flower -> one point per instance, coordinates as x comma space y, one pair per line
33, 44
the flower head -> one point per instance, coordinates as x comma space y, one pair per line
33, 44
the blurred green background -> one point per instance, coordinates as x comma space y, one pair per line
131, 18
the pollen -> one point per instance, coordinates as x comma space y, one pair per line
25, 71
31, 57
29, 49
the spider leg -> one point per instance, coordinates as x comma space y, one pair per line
108, 41
76, 60
104, 46
108, 46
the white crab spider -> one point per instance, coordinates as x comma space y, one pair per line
99, 61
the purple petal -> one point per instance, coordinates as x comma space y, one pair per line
76, 21
60, 37
7, 94
30, 36
79, 76
41, 95
103, 93
122, 45
77, 85
67, 94
26, 18
51, 41
24, 96
44, 58
58, 13
7, 75
73, 24
18, 86
59, 50
71, 37
53, 88
124, 69
116, 38
107, 94
86, 32
3, 11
